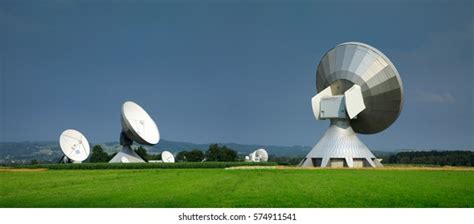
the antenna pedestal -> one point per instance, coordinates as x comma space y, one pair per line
127, 155
340, 147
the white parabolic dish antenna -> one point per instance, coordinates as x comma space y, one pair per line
137, 126
261, 155
359, 91
74, 145
167, 157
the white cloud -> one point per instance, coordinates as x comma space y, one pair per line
431, 97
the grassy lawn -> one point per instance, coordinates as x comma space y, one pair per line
237, 188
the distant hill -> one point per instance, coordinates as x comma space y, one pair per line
24, 152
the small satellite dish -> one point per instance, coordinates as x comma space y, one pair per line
137, 126
167, 157
74, 146
259, 155
359, 91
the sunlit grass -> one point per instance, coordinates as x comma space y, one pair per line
237, 188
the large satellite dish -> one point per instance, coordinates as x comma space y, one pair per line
167, 157
74, 146
359, 90
259, 155
137, 126
382, 90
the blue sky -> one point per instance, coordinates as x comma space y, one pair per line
231, 71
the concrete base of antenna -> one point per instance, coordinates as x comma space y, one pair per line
340, 147
65, 160
127, 155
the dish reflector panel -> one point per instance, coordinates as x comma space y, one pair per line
138, 125
74, 145
382, 90
167, 157
261, 155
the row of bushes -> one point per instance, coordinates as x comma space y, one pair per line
441, 158
183, 165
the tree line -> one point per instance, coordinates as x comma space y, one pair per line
222, 153
215, 152
441, 158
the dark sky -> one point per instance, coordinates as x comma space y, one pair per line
236, 71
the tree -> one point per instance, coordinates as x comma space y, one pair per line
212, 153
98, 155
142, 153
153, 157
195, 156
181, 156
217, 153
441, 158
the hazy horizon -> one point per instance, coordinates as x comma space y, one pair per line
243, 144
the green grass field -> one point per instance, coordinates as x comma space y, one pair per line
237, 188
